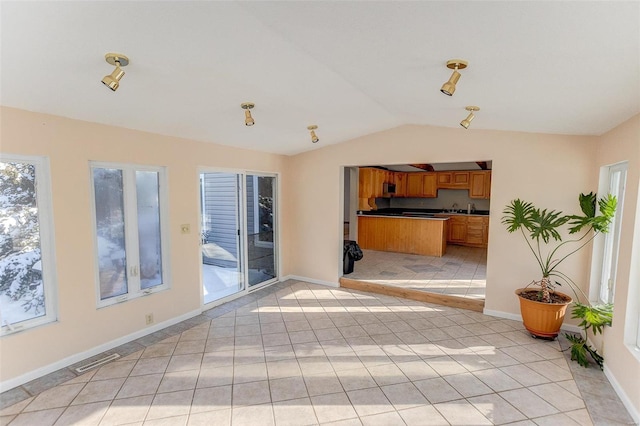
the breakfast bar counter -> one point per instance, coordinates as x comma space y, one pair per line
403, 234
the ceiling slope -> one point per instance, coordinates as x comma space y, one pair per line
352, 68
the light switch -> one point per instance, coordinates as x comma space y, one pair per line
185, 228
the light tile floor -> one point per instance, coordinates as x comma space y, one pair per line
462, 271
302, 354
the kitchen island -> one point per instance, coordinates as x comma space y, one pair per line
425, 235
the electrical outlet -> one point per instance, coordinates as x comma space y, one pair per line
149, 318
185, 228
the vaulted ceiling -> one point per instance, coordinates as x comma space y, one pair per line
352, 68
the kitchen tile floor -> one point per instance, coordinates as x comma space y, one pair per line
303, 354
460, 272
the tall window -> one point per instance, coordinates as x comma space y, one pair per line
616, 177
27, 287
130, 221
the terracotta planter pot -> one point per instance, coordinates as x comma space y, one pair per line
542, 319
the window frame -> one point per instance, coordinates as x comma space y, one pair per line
132, 243
632, 319
603, 258
44, 202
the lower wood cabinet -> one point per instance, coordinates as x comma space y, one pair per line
467, 230
477, 230
457, 229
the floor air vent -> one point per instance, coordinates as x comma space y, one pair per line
97, 363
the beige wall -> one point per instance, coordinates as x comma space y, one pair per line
623, 144
549, 170
70, 145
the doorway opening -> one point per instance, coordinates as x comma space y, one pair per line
398, 198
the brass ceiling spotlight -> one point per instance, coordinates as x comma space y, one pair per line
467, 121
112, 81
248, 120
314, 138
450, 86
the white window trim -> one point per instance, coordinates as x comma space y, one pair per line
47, 250
134, 290
632, 320
598, 252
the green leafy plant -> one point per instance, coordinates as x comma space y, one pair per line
541, 227
594, 317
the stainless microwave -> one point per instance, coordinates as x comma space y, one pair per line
388, 189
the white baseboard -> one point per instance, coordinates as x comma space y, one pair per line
516, 317
310, 280
65, 362
626, 401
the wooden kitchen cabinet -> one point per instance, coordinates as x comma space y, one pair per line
453, 180
400, 179
403, 235
476, 231
429, 185
414, 185
480, 184
421, 185
371, 182
467, 230
365, 182
457, 229
379, 178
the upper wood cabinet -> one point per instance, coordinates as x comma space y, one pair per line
400, 179
365, 182
480, 184
414, 185
371, 182
421, 185
453, 180
429, 185
379, 180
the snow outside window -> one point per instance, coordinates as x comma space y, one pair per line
616, 182
130, 219
27, 276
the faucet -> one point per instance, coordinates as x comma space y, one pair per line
454, 207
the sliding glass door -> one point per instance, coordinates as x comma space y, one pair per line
238, 238
261, 257
220, 235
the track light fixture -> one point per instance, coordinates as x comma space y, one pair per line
312, 130
450, 86
112, 81
248, 120
467, 121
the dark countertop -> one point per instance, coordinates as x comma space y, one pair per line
419, 212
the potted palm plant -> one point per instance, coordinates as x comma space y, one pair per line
542, 307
